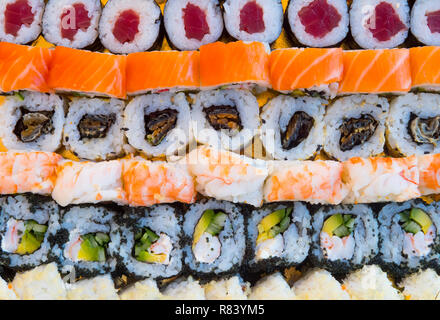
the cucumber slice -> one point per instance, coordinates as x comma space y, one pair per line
217, 224
284, 224
204, 222
341, 231
412, 227
346, 217
153, 237
404, 216
274, 232
102, 238
350, 224
101, 255
39, 228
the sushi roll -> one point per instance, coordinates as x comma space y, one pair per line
159, 124
233, 288
409, 237
130, 26
214, 238
32, 121
272, 287
85, 240
425, 22
225, 119
150, 243
254, 20
28, 226
378, 24
344, 237
190, 24
142, 290
278, 236
20, 20
424, 70
355, 127
293, 128
98, 288
93, 129
184, 289
412, 124
318, 23
71, 23
423, 285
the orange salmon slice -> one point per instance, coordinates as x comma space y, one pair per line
88, 72
425, 66
300, 68
376, 71
24, 67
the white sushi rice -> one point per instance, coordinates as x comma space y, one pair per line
275, 118
360, 13
232, 238
423, 285
184, 289
111, 146
142, 290
6, 292
247, 108
149, 26
52, 22
354, 107
33, 102
97, 288
26, 33
175, 26
272, 287
233, 288
159, 219
272, 17
330, 39
176, 139
423, 105
419, 22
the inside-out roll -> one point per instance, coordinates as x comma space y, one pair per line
355, 127
32, 121
425, 22
293, 128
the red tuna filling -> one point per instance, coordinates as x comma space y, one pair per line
127, 26
387, 22
73, 19
319, 18
18, 14
196, 26
251, 18
434, 21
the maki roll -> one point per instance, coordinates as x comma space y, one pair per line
130, 26
293, 128
409, 237
377, 24
278, 236
413, 125
20, 20
32, 121
215, 238
28, 226
344, 237
423, 285
318, 23
150, 243
254, 20
425, 22
93, 129
225, 119
159, 124
190, 24
71, 23
86, 237
355, 127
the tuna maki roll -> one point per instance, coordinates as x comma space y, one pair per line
425, 22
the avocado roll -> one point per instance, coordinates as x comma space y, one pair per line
85, 240
278, 236
150, 242
409, 236
344, 237
355, 127
293, 128
28, 225
214, 238
93, 129
32, 122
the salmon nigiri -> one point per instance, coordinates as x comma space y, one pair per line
147, 183
33, 172
234, 63
429, 170
376, 71
24, 67
162, 71
88, 72
425, 67
310, 69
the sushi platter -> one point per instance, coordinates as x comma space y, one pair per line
219, 149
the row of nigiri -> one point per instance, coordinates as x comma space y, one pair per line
369, 283
221, 175
329, 71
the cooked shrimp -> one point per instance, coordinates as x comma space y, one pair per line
418, 244
11, 240
207, 249
72, 248
336, 248
162, 246
270, 248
